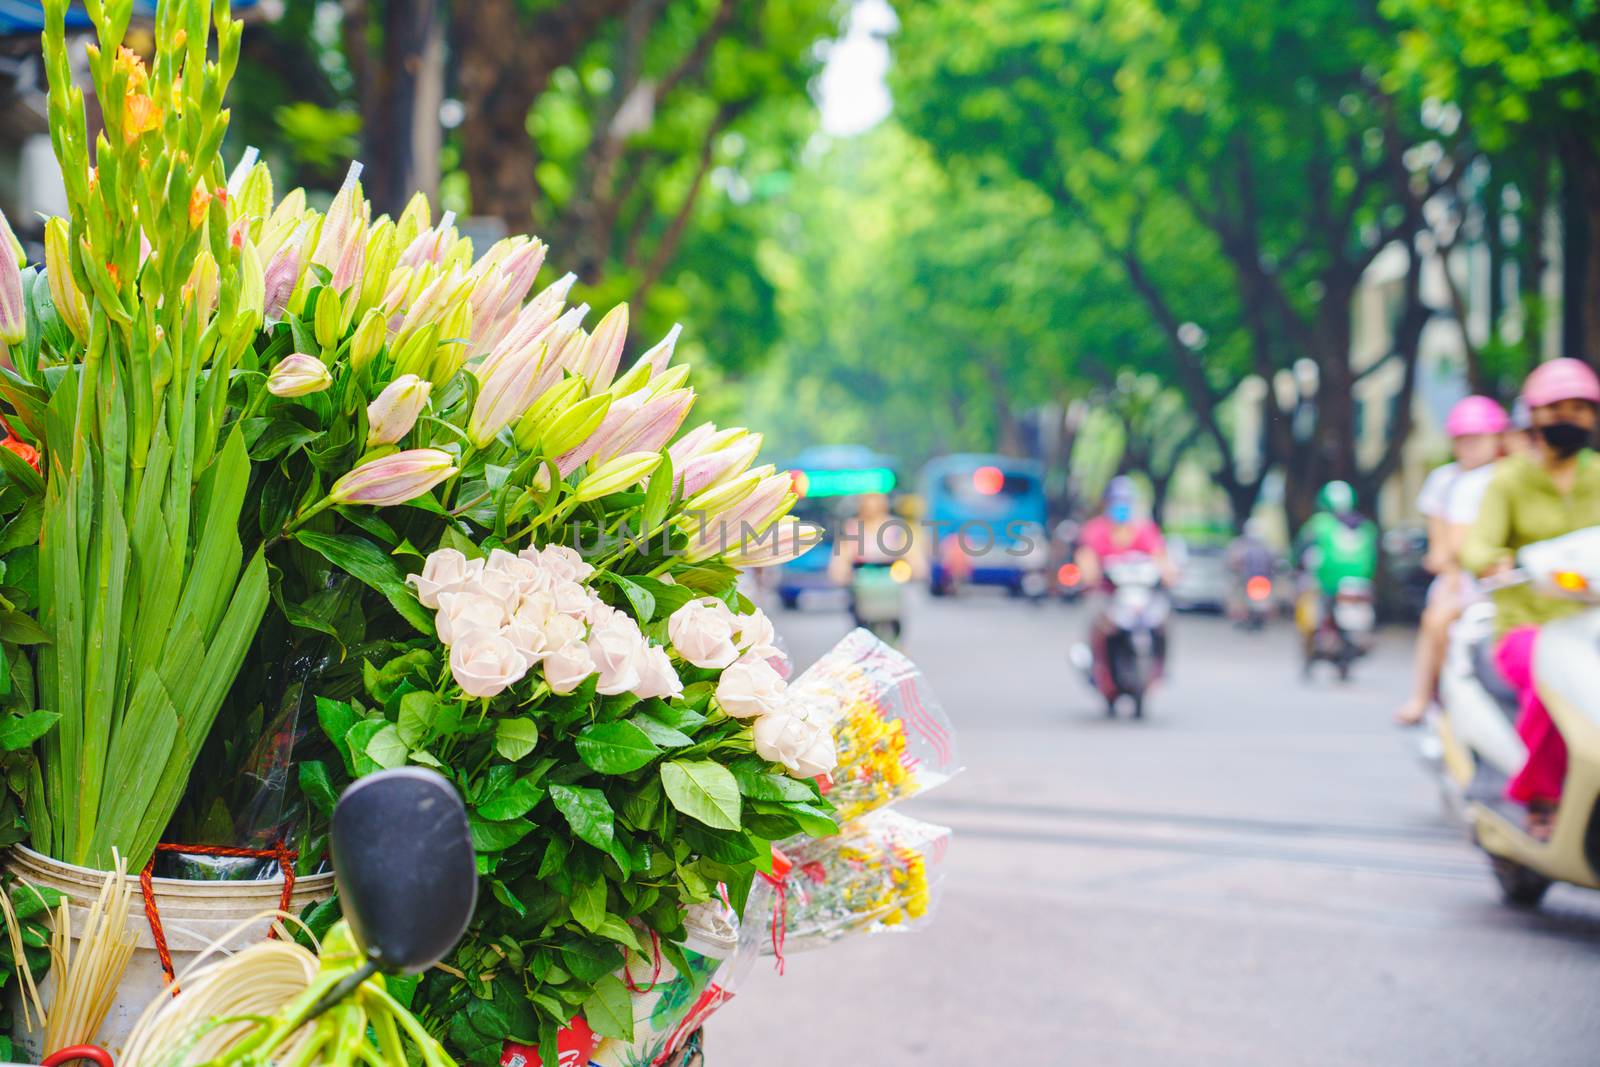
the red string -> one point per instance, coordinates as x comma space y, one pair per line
655, 975
780, 916
282, 853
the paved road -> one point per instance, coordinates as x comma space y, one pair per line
1256, 874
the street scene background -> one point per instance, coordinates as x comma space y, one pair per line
1259, 873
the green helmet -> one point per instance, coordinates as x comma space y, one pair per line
1337, 497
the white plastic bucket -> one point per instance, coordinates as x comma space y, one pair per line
194, 915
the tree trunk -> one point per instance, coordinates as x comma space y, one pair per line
400, 131
1580, 164
502, 67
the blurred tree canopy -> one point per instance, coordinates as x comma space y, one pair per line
643, 139
1263, 125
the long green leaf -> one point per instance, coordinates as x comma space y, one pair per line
368, 563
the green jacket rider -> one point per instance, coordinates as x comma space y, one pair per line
1338, 542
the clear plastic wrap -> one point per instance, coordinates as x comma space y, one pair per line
881, 872
893, 737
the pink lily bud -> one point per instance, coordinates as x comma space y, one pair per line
507, 388
661, 354
430, 246
342, 244
521, 270
393, 479
785, 540
723, 531
13, 311
717, 467
544, 310
298, 375
689, 444
649, 427
282, 274
603, 351
391, 416
608, 432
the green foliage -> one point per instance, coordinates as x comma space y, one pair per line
596, 819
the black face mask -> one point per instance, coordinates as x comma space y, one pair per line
1565, 438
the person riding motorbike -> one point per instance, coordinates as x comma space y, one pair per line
1336, 544
874, 536
1117, 531
1552, 491
1449, 502
1250, 559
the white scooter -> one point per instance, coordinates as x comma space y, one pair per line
1474, 747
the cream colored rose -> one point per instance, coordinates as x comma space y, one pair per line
572, 599
567, 667
657, 678
564, 563
508, 571
444, 571
463, 613
750, 688
484, 663
702, 633
617, 648
758, 640
797, 738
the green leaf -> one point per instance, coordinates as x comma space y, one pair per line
357, 739
643, 603
814, 822
18, 629
498, 836
620, 932
386, 749
660, 733
515, 738
675, 715
317, 786
588, 813
609, 1010
415, 720
365, 561
703, 790
336, 718
516, 799
615, 747
657, 497
589, 904
17, 732
761, 784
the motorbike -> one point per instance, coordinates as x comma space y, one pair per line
878, 595
1337, 629
1473, 746
1257, 605
1134, 618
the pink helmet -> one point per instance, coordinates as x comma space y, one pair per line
1475, 415
1561, 379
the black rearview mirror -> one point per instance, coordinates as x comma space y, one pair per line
405, 867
